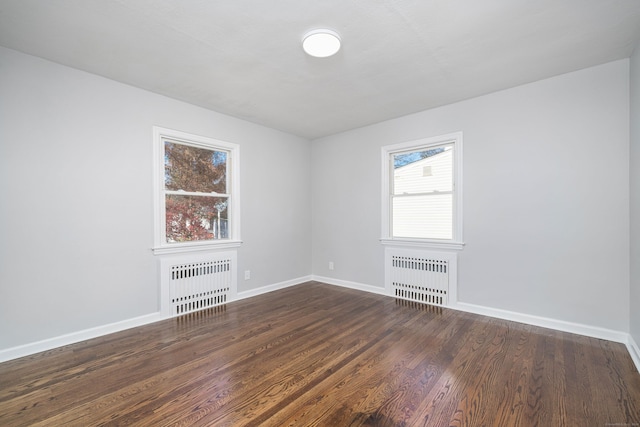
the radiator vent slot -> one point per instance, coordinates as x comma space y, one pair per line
421, 276
195, 283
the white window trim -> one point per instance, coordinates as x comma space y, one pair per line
160, 241
457, 243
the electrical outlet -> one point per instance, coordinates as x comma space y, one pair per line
247, 274
330, 265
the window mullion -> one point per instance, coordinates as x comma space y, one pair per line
194, 193
431, 193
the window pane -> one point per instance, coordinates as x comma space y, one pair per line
192, 218
194, 169
427, 217
423, 171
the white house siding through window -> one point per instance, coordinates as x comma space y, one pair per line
423, 197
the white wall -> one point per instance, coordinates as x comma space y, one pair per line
635, 196
76, 214
546, 197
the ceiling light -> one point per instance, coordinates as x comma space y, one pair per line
321, 43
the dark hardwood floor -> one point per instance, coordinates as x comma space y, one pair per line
318, 355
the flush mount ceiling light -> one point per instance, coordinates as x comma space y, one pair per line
321, 43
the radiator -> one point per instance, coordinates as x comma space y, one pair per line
422, 276
196, 282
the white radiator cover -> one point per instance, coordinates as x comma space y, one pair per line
423, 276
195, 282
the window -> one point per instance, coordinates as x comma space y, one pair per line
422, 192
197, 192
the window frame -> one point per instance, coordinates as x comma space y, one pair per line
456, 242
161, 246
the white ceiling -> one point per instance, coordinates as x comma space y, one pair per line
244, 57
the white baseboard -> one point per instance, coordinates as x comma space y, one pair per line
634, 351
270, 288
545, 322
350, 285
74, 337
576, 328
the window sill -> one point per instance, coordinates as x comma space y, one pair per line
419, 243
195, 247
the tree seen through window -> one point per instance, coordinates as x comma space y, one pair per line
196, 193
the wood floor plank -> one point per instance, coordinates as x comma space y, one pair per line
318, 355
